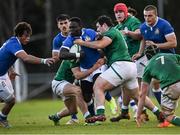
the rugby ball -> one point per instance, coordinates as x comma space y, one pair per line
75, 49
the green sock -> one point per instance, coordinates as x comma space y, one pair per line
176, 121
124, 111
100, 111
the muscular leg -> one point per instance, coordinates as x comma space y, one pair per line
111, 101
8, 106
70, 93
100, 86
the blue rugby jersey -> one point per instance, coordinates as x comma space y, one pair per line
57, 42
8, 53
91, 55
157, 33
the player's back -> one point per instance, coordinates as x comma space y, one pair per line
165, 67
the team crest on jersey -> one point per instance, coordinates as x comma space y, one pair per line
156, 32
87, 38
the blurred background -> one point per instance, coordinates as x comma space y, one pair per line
35, 80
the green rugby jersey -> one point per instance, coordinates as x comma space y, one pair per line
132, 24
164, 67
117, 50
64, 72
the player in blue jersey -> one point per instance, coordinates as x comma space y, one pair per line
77, 31
63, 25
156, 31
10, 51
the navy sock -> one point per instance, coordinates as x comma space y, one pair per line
108, 96
91, 109
74, 116
158, 96
132, 103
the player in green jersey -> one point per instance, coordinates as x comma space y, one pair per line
121, 70
164, 67
129, 25
62, 86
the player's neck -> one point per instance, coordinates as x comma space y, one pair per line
65, 34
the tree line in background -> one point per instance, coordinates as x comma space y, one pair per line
41, 15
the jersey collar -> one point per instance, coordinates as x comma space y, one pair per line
18, 40
151, 27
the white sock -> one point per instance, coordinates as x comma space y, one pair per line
3, 115
90, 102
124, 107
155, 109
156, 90
86, 114
100, 107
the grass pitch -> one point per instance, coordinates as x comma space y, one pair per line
31, 117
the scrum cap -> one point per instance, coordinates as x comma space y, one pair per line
121, 7
150, 51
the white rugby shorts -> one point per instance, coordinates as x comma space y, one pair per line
122, 72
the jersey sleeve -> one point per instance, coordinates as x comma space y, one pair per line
56, 44
167, 28
15, 48
74, 63
135, 24
91, 33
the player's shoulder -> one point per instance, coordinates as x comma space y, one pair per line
163, 22
59, 37
88, 30
12, 40
113, 30
143, 25
133, 19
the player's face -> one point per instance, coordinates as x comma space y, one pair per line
150, 17
25, 38
75, 29
63, 26
100, 28
120, 16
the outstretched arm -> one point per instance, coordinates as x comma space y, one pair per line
99, 44
33, 59
141, 102
78, 74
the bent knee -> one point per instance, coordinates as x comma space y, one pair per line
77, 90
10, 99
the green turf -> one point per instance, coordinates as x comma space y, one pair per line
31, 117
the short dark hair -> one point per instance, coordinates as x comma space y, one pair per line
77, 20
150, 51
62, 17
151, 7
21, 27
132, 11
105, 19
